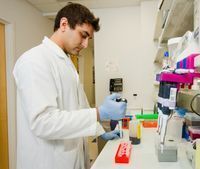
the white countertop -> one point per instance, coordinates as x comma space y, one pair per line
143, 156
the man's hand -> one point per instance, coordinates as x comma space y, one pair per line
110, 135
111, 109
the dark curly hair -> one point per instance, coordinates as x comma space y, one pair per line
76, 14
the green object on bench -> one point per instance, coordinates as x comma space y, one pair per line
147, 116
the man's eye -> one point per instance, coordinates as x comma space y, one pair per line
84, 35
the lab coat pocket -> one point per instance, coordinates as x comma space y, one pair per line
66, 158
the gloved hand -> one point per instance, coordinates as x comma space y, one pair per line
111, 109
110, 135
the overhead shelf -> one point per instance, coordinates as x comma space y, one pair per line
163, 5
179, 20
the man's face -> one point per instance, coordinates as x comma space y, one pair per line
74, 40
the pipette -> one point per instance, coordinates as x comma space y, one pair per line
120, 121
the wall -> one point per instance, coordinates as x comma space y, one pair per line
124, 48
86, 62
25, 28
29, 24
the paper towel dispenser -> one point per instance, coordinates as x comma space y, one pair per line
116, 85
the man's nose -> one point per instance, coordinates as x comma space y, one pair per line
85, 43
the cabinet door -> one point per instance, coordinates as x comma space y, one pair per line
3, 103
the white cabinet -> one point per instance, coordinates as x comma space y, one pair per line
174, 18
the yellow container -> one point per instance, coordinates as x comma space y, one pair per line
135, 131
197, 154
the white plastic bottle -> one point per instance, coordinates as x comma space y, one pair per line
135, 131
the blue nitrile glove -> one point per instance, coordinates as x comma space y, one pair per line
110, 135
111, 109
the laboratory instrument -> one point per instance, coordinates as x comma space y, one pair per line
170, 83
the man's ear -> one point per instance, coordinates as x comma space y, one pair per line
63, 24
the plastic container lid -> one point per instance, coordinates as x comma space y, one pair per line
192, 117
194, 129
147, 116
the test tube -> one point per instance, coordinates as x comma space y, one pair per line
120, 128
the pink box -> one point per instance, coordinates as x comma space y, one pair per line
194, 132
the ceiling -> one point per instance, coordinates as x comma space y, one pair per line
49, 8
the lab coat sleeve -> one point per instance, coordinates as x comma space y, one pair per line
38, 94
85, 104
100, 130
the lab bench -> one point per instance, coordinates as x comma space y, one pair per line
143, 155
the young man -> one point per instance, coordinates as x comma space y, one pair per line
53, 116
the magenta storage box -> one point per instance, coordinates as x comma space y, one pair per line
187, 63
179, 78
194, 132
186, 78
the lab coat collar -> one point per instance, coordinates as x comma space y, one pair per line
54, 47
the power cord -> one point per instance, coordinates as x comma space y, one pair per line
191, 104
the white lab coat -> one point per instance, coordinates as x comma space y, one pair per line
51, 119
